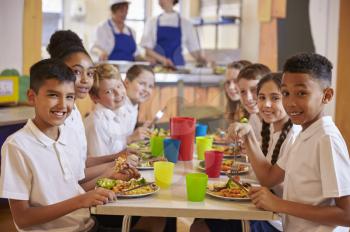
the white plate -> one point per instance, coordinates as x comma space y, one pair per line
210, 193
137, 195
144, 168
202, 168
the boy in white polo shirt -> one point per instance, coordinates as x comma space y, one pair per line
41, 164
316, 171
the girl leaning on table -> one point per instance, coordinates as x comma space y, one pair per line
139, 84
66, 45
274, 146
315, 173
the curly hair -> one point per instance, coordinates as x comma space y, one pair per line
103, 72
64, 43
317, 66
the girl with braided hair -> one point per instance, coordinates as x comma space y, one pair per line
278, 134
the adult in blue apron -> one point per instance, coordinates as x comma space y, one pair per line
169, 42
124, 45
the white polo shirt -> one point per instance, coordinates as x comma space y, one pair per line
105, 133
256, 124
189, 38
75, 122
285, 148
316, 172
104, 38
43, 171
128, 114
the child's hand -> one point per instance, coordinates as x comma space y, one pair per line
263, 198
239, 129
132, 160
125, 174
97, 196
140, 133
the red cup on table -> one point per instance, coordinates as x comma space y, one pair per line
213, 160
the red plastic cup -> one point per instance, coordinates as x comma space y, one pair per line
184, 129
213, 160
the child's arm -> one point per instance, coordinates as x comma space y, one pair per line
97, 160
140, 133
339, 214
267, 174
92, 174
25, 215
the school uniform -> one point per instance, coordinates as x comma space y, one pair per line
256, 125
128, 114
168, 34
44, 172
75, 122
120, 45
316, 172
105, 133
278, 189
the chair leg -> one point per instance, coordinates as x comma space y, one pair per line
126, 223
245, 226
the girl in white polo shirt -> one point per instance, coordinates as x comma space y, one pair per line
139, 84
68, 47
316, 194
104, 131
275, 145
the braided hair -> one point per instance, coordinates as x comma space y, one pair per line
65, 43
265, 135
276, 151
265, 131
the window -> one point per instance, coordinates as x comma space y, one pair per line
52, 21
136, 17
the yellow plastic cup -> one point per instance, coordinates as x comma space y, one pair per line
163, 173
203, 144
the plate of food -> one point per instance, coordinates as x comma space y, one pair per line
226, 167
133, 188
141, 146
229, 150
147, 160
228, 191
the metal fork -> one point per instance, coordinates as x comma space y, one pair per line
234, 167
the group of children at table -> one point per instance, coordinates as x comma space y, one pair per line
49, 168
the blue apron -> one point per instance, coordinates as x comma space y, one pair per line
169, 42
124, 46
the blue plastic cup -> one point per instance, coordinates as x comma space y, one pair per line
201, 129
171, 149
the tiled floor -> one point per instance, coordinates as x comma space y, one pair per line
6, 222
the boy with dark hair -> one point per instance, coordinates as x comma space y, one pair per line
316, 195
41, 164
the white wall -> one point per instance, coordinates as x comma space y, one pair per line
250, 31
324, 20
11, 47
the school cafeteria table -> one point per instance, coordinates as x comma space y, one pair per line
173, 202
